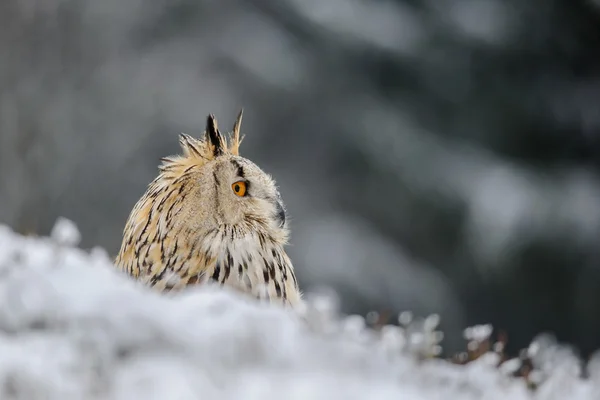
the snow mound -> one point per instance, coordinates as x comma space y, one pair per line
71, 327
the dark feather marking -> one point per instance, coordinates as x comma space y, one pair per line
142, 245
153, 239
170, 210
164, 199
265, 275
191, 251
139, 247
269, 268
147, 224
179, 265
174, 252
239, 168
188, 169
217, 272
277, 289
161, 203
216, 190
162, 251
156, 278
229, 258
261, 239
228, 265
272, 270
283, 271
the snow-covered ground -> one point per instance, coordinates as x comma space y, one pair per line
72, 328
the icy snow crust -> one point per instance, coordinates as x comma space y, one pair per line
71, 327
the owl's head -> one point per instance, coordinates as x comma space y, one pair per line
218, 188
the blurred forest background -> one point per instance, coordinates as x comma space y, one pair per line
435, 156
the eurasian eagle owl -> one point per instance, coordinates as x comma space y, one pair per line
211, 215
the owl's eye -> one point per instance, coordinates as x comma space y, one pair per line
239, 188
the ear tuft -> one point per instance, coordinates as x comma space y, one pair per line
214, 139
212, 145
235, 140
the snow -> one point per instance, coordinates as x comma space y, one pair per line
72, 327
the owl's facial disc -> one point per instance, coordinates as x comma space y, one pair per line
249, 192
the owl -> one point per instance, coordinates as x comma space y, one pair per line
211, 216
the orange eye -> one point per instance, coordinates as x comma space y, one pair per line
239, 188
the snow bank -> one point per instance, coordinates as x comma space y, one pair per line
72, 328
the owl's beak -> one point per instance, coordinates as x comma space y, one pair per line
280, 213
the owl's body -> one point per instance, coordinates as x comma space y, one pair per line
210, 215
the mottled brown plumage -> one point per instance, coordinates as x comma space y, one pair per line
210, 215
